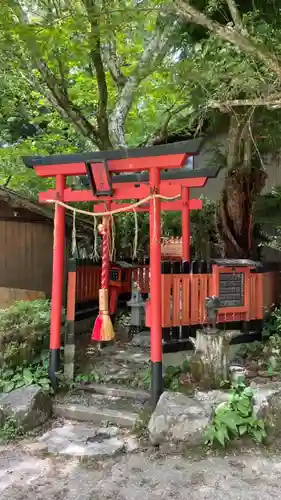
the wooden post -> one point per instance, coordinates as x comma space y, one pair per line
69, 341
185, 225
57, 283
155, 288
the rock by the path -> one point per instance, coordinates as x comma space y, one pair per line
28, 406
268, 405
2, 418
177, 418
210, 399
82, 440
141, 339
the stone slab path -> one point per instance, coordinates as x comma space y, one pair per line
138, 476
74, 439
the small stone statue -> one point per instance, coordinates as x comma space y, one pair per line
212, 305
137, 310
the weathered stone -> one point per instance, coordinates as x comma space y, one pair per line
2, 418
95, 414
132, 444
109, 390
80, 440
210, 399
141, 339
177, 418
29, 406
268, 403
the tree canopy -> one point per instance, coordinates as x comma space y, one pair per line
98, 74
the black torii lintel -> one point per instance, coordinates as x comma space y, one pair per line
191, 147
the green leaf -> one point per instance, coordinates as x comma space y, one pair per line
248, 392
221, 435
27, 375
19, 384
8, 387
270, 371
230, 423
185, 366
258, 435
45, 387
243, 429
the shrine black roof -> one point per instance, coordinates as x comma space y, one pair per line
192, 147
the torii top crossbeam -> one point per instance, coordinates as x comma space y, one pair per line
107, 174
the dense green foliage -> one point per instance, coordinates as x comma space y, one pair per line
94, 74
10, 431
34, 373
24, 331
235, 418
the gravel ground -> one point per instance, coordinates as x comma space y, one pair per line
141, 476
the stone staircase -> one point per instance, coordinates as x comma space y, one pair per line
99, 404
95, 421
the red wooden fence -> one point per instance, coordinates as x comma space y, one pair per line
89, 275
183, 298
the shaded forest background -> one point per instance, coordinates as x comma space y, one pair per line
83, 75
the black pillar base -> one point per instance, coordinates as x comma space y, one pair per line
156, 381
54, 366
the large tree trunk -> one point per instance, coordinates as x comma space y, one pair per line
244, 182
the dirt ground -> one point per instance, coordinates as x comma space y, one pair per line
139, 476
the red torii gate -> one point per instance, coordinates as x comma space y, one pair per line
100, 168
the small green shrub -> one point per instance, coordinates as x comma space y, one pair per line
24, 331
272, 325
142, 380
173, 375
141, 424
35, 373
171, 379
87, 378
235, 418
251, 350
10, 430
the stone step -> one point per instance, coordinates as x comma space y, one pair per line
80, 439
95, 414
114, 390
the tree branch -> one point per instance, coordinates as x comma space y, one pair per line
102, 119
270, 101
235, 14
229, 34
56, 93
111, 59
67, 109
154, 51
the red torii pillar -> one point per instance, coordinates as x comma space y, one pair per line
155, 287
57, 282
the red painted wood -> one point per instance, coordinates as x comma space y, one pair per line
169, 206
123, 191
185, 299
58, 269
176, 319
155, 269
124, 165
185, 224
166, 293
71, 296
